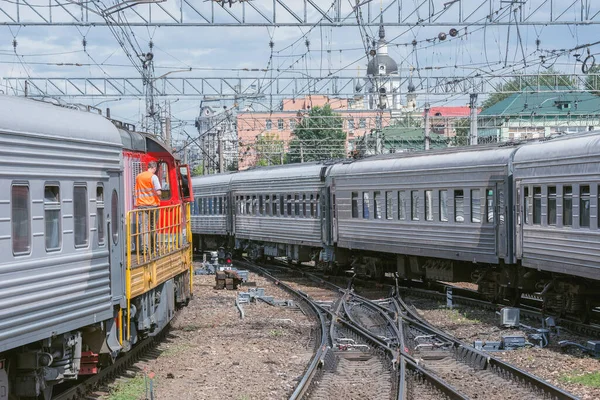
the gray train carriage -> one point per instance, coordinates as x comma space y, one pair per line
212, 220
58, 168
277, 211
438, 215
557, 188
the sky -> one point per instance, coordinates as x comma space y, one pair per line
44, 51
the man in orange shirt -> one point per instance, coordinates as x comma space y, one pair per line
147, 196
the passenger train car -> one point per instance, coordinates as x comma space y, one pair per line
512, 218
75, 289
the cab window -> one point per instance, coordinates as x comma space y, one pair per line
163, 176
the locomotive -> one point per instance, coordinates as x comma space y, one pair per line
76, 289
513, 218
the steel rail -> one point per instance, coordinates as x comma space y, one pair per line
483, 360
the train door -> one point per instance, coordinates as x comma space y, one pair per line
115, 237
501, 222
519, 219
334, 220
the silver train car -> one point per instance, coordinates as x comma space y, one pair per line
516, 218
71, 300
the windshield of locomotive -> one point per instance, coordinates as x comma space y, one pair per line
163, 176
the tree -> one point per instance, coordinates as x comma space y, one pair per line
462, 126
550, 77
198, 170
592, 81
269, 150
318, 136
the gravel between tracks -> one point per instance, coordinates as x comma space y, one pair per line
551, 363
211, 353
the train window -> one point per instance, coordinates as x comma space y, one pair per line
475, 205
354, 204
52, 217
414, 205
261, 205
296, 205
443, 205
254, 206
526, 203
80, 216
584, 206
489, 204
248, 209
567, 205
100, 214
268, 205
459, 206
377, 204
196, 206
114, 217
365, 204
537, 205
21, 221
210, 206
428, 205
275, 203
319, 205
402, 205
304, 206
389, 206
312, 205
220, 205
215, 205
289, 205
551, 205
163, 175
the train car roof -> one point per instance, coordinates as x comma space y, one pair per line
214, 179
277, 172
565, 146
428, 160
21, 115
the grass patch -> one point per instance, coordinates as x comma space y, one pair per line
190, 328
132, 389
462, 317
589, 380
174, 350
275, 332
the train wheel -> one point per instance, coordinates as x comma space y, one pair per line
585, 314
513, 296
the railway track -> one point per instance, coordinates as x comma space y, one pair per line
411, 358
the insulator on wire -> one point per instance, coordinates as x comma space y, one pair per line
14, 43
84, 43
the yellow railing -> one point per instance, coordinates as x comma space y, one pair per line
152, 234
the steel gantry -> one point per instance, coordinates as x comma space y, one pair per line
299, 12
248, 87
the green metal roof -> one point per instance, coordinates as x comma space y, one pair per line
545, 103
411, 138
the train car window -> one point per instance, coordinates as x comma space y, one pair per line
254, 210
205, 203
275, 203
354, 204
304, 206
261, 205
296, 205
114, 217
210, 206
443, 205
537, 205
80, 216
289, 205
567, 205
52, 218
163, 175
365, 204
459, 206
584, 206
312, 205
414, 205
489, 205
215, 205
428, 205
551, 205
248, 206
475, 205
389, 206
221, 205
377, 204
526, 203
21, 221
268, 205
100, 214
319, 206
402, 205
